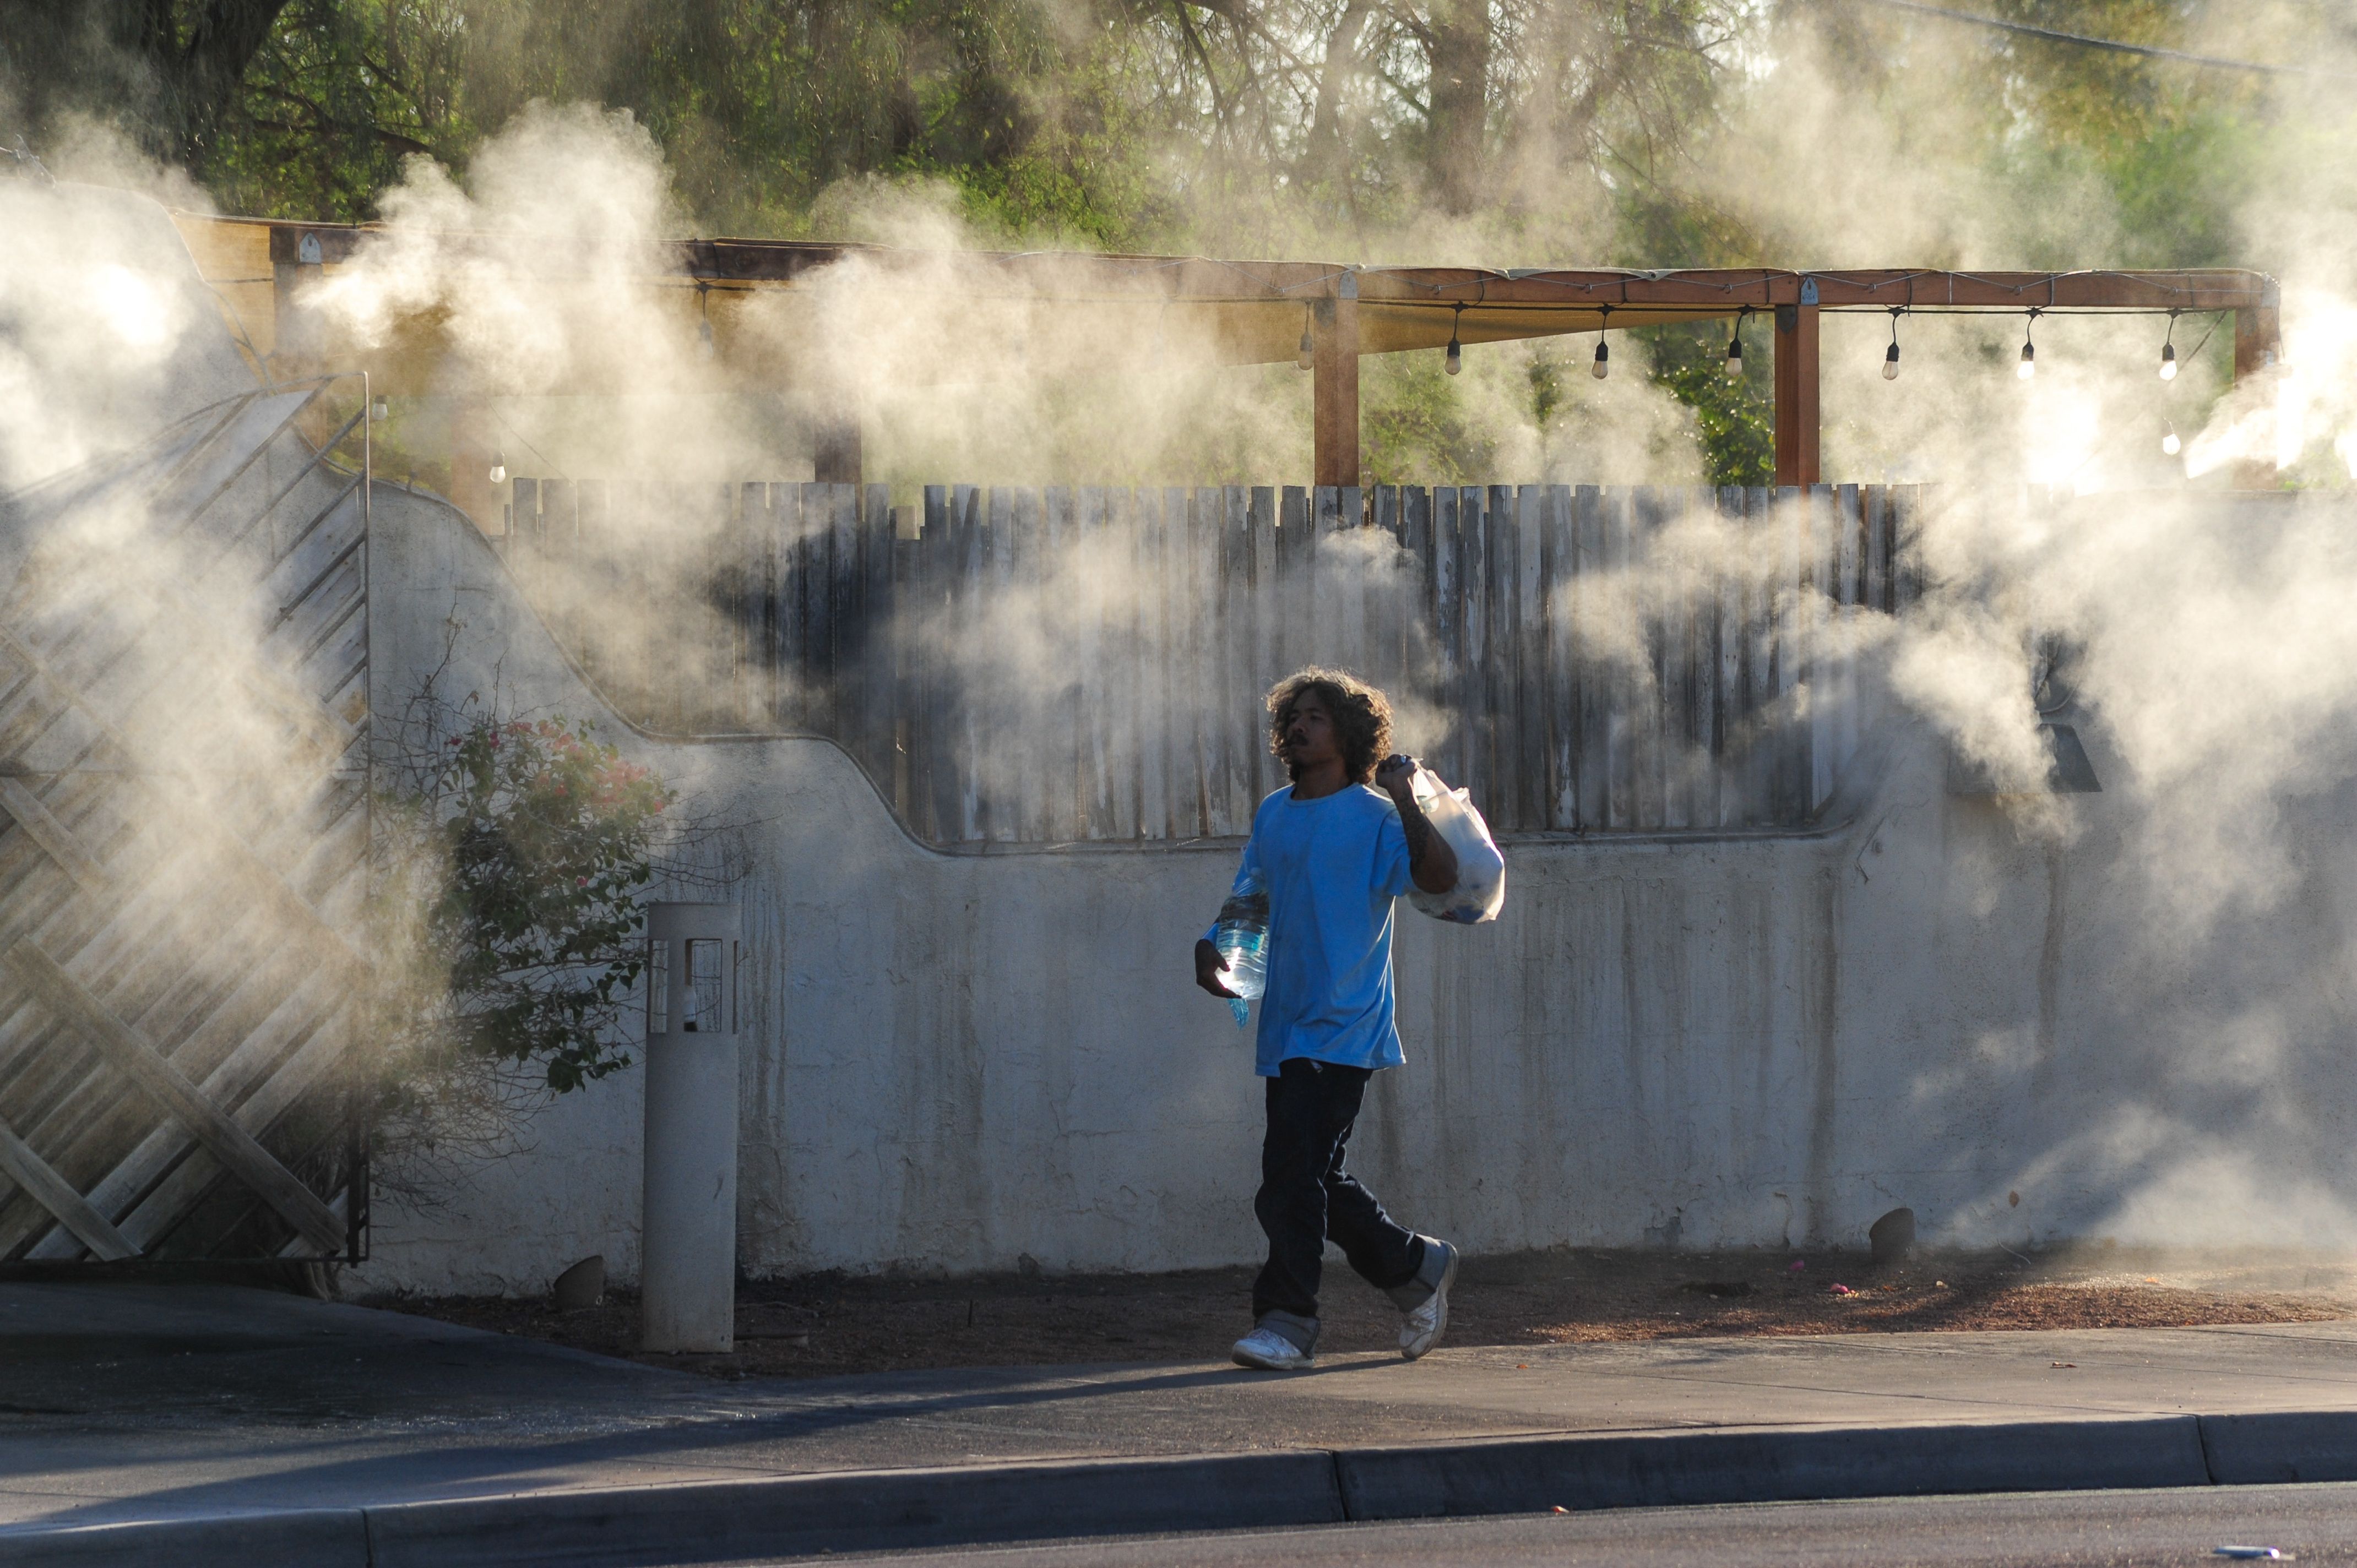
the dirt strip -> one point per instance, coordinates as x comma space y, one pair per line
825, 1324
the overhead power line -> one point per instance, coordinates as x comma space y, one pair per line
2150, 51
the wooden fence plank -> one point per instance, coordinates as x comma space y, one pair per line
1559, 715
1232, 719
1503, 630
1386, 623
1727, 643
1182, 695
970, 582
1850, 563
1819, 673
1618, 625
1201, 689
874, 644
1469, 697
1267, 651
1053, 582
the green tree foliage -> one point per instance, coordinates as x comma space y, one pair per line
170, 74
1500, 132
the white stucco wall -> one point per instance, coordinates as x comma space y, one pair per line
953, 1061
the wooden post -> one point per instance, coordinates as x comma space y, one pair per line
1796, 394
2258, 346
1335, 396
2259, 339
835, 455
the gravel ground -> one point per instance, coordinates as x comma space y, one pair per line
825, 1324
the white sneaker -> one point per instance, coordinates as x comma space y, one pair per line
1422, 1327
1271, 1352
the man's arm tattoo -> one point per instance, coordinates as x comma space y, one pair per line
1418, 828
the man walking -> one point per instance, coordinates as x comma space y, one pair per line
1333, 852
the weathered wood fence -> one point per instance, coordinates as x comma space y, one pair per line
1041, 666
184, 846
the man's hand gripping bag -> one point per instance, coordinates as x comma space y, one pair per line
1481, 890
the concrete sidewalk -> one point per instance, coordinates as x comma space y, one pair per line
208, 1422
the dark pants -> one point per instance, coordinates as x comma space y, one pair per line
1306, 1195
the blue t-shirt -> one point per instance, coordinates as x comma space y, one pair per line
1331, 867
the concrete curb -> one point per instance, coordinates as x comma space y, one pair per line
1767, 1465
885, 1509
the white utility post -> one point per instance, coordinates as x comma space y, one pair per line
687, 1233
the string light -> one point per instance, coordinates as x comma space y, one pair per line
499, 468
378, 410
1891, 354
704, 345
1454, 361
1603, 366
2169, 353
2029, 366
2169, 443
1735, 347
1308, 355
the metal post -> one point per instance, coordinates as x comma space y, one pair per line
688, 1228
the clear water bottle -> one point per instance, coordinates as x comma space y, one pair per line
1242, 937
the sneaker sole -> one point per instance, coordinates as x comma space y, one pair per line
1440, 1326
1260, 1364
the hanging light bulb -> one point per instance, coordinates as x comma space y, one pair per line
499, 468
2169, 443
1891, 354
1308, 355
1454, 361
2169, 350
703, 348
1735, 347
1603, 366
378, 410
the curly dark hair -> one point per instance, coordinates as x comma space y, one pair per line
1363, 718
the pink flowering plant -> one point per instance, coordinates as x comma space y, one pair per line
521, 850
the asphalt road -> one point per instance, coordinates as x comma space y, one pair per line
2313, 1524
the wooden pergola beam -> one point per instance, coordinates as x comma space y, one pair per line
1251, 312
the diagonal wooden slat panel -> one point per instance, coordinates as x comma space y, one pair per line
261, 1077
255, 873
51, 834
212, 893
57, 1195
130, 1052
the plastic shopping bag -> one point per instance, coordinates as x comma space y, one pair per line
1481, 890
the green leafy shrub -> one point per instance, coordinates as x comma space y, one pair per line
515, 862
